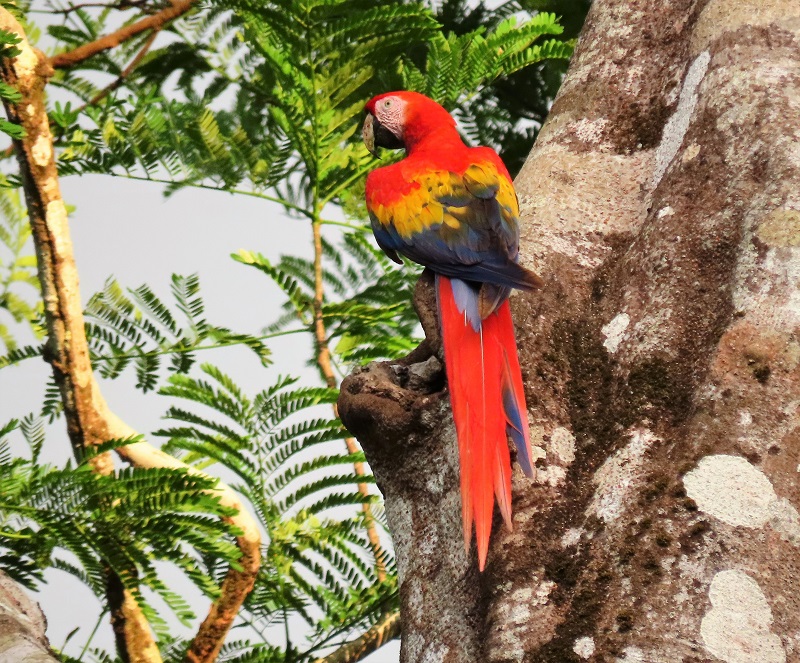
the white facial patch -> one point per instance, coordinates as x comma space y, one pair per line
391, 113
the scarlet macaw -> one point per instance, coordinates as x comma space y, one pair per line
453, 209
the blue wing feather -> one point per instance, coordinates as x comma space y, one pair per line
461, 226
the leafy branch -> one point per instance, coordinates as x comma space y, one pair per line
138, 327
90, 421
17, 268
153, 22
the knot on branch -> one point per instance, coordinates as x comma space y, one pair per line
389, 404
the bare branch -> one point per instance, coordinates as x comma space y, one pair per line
386, 630
23, 626
154, 22
326, 368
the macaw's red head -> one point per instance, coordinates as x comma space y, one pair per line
399, 120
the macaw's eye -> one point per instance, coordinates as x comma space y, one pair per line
387, 103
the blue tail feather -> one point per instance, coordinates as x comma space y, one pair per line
515, 423
466, 298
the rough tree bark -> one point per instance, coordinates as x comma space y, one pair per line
22, 626
662, 366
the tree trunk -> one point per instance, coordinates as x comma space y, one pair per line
22, 626
661, 362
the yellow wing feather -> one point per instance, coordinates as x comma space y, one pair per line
438, 195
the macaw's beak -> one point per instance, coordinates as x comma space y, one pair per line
368, 134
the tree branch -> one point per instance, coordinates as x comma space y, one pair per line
326, 368
386, 630
89, 419
154, 22
661, 365
66, 348
238, 583
125, 72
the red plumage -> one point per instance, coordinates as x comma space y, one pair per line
453, 209
478, 369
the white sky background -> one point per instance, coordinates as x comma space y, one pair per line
126, 229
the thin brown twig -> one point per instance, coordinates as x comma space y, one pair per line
153, 22
387, 629
124, 73
326, 368
9, 151
124, 4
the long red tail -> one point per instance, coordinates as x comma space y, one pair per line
488, 402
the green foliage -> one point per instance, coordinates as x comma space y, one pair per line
8, 49
296, 98
316, 60
138, 328
88, 524
317, 564
368, 313
461, 64
298, 95
18, 280
508, 112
